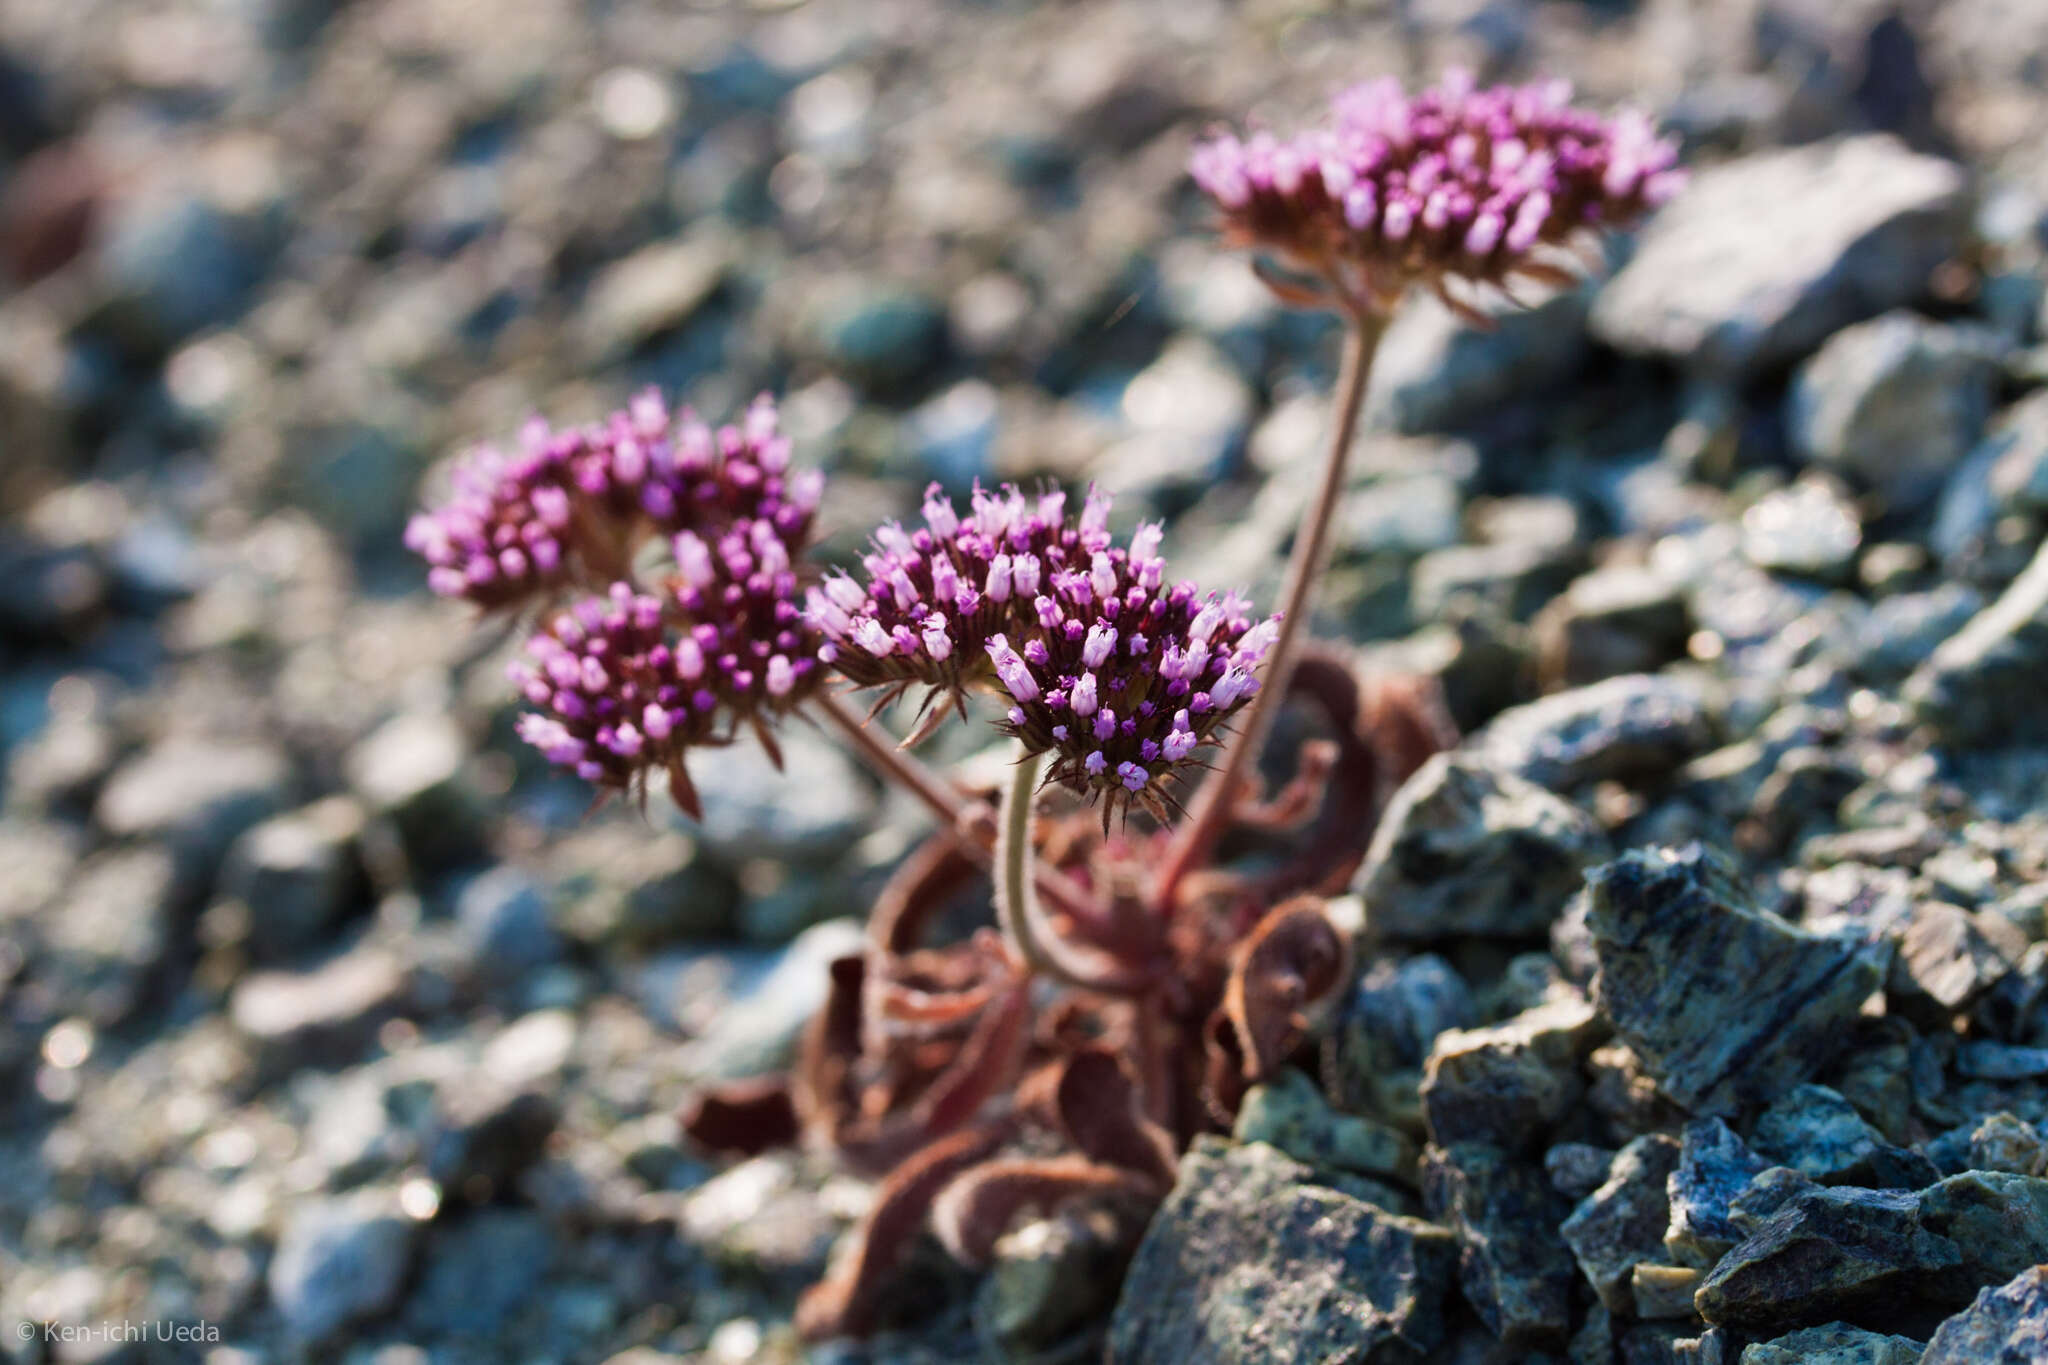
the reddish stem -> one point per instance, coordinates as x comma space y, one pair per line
1196, 837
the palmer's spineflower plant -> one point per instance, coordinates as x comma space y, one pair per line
1132, 985
1095, 657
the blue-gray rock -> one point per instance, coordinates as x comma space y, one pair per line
1624, 619
503, 919
1506, 1085
197, 795
1948, 957
1464, 848
297, 874
1633, 726
2003, 1326
810, 811
413, 770
1723, 1003
1051, 1278
1188, 412
1894, 404
1251, 1260
1386, 1031
110, 930
479, 1270
1514, 577
655, 290
485, 1135
624, 884
757, 1031
2006, 1142
327, 1012
1290, 1112
1902, 630
1808, 530
340, 1260
954, 433
1991, 1060
1981, 685
171, 264
1514, 1271
1621, 1224
2018, 475
881, 336
1828, 1254
1997, 1221
1434, 370
1814, 1131
1765, 256
1833, 1344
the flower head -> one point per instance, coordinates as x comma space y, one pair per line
1455, 182
617, 691
628, 678
572, 507
1096, 657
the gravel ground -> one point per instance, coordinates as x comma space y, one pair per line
1705, 1007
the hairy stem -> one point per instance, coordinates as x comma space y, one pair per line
1016, 896
1023, 921
1197, 836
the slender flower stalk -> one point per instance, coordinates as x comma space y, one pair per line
1196, 836
1482, 187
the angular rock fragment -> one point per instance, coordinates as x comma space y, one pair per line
1611, 621
1512, 1268
1050, 1277
1389, 1025
1290, 1112
1714, 1166
1894, 403
1982, 686
2005, 1142
1622, 1223
1635, 725
2004, 1326
1816, 1132
1250, 1261
1724, 1003
1764, 257
1998, 1222
1464, 848
1949, 956
1844, 1253
1833, 1344
1506, 1085
1664, 1291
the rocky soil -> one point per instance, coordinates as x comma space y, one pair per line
1703, 1012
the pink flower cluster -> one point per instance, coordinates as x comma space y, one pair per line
628, 678
1118, 674
1455, 181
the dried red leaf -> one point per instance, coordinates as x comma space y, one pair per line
930, 877
1101, 1113
1403, 717
1294, 958
843, 1302
743, 1118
